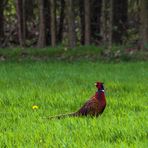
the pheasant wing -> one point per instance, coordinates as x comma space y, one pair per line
89, 108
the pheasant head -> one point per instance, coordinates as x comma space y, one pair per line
100, 86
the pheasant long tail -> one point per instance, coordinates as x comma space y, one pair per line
62, 116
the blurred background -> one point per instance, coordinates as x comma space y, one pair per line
67, 29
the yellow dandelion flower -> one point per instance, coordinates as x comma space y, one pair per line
35, 107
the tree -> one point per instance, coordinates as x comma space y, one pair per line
1, 22
29, 9
21, 16
61, 22
96, 20
82, 21
106, 26
47, 13
144, 23
114, 21
87, 21
53, 23
71, 24
119, 20
42, 25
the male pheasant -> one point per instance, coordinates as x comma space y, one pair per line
93, 107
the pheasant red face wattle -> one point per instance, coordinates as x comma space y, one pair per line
99, 85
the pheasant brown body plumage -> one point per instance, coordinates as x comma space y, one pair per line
93, 107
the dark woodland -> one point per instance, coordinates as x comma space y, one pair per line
42, 23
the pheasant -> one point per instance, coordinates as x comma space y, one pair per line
93, 107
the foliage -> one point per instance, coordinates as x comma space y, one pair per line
93, 53
32, 24
60, 87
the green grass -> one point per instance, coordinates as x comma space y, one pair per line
60, 87
49, 51
92, 52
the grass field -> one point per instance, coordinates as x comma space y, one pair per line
60, 87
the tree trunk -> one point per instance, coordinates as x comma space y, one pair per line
62, 16
87, 21
96, 20
29, 17
1, 23
24, 20
71, 24
53, 23
119, 20
110, 24
42, 27
21, 16
48, 22
104, 21
144, 24
82, 21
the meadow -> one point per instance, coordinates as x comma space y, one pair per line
62, 87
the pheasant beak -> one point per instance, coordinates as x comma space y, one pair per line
95, 84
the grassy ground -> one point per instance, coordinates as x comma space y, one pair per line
60, 87
93, 53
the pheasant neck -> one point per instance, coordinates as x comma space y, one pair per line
100, 94
101, 90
